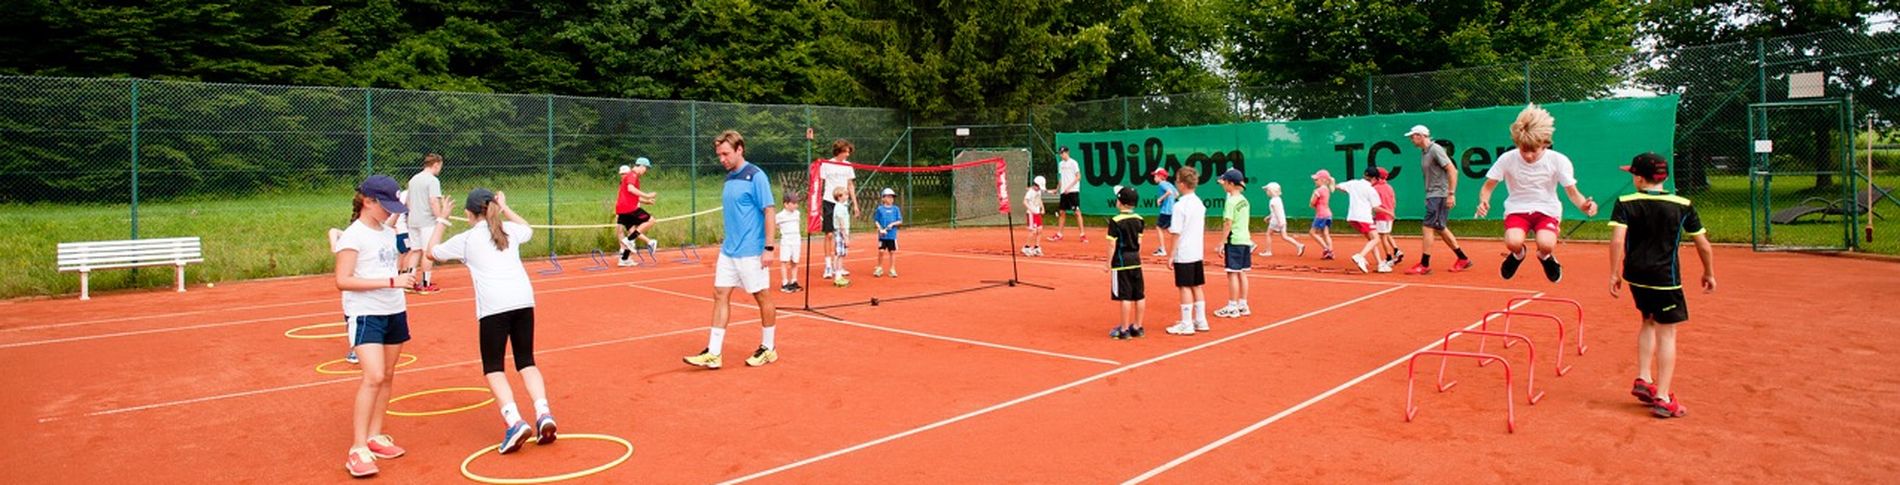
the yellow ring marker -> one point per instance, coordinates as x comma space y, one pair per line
400, 363
551, 478
491, 399
292, 333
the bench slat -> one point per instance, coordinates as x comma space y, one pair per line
129, 259
128, 252
129, 242
95, 267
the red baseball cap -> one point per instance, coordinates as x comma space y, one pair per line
1648, 165
1162, 171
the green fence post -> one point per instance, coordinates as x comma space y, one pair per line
550, 104
1847, 172
1761, 72
369, 136
692, 179
135, 159
1125, 125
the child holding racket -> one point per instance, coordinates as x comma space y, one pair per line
1532, 173
504, 306
367, 276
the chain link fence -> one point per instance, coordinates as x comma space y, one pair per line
260, 172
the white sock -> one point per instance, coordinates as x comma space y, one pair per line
1187, 312
717, 339
510, 415
541, 407
1200, 311
425, 277
771, 338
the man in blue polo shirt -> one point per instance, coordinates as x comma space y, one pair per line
747, 203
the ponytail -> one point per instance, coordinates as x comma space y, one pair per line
356, 208
495, 232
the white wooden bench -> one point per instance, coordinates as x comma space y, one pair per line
85, 257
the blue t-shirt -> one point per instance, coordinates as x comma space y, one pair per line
885, 215
1167, 201
746, 195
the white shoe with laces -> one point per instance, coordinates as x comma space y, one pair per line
1182, 328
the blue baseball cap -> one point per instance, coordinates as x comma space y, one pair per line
383, 189
478, 200
642, 162
1233, 176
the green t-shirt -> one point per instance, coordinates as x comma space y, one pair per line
1238, 212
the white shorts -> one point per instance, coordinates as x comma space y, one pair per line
1382, 227
747, 273
419, 237
789, 250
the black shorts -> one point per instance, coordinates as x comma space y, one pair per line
498, 330
887, 245
1189, 275
830, 226
1126, 285
1663, 306
1070, 201
1435, 213
634, 219
1164, 221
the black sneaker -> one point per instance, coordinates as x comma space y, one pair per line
1137, 332
1552, 269
1509, 267
795, 287
1119, 333
1397, 257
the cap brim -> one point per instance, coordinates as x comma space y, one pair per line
393, 206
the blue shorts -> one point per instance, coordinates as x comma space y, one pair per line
1239, 257
1164, 221
380, 329
402, 243
1322, 223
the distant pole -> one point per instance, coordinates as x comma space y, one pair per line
550, 103
369, 136
135, 159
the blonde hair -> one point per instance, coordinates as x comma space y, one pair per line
1533, 127
732, 138
1187, 178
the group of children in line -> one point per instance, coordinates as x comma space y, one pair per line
1647, 229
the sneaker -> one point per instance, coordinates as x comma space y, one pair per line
385, 447
513, 438
1299, 250
785, 288
360, 463
544, 430
1182, 328
1038, 251
350, 358
1028, 252
1119, 333
893, 273
1327, 256
840, 281
797, 287
762, 356
1241, 311
1266, 254
1137, 332
1201, 326
1644, 391
624, 262
1057, 237
1225, 312
1361, 262
427, 289
1668, 409
1397, 257
1508, 269
1419, 270
1552, 269
1385, 267
705, 359
828, 273
653, 245
877, 272
1159, 253
1460, 265
1085, 239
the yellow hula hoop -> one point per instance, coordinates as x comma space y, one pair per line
551, 478
400, 363
292, 333
393, 412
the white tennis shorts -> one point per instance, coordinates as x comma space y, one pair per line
419, 237
1382, 227
790, 250
747, 273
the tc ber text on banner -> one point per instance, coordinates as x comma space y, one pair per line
1598, 136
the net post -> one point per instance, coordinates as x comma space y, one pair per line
692, 179
551, 232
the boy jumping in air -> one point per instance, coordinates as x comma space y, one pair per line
1532, 173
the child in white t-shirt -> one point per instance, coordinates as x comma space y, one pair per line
1533, 173
1276, 221
367, 276
841, 217
1190, 273
788, 243
1032, 205
1361, 201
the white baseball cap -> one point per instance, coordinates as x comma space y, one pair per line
889, 193
625, 169
1042, 183
1419, 130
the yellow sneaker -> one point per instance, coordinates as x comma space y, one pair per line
705, 359
761, 357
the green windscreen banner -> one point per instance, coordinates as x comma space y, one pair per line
1598, 136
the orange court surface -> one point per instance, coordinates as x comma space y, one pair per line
1789, 370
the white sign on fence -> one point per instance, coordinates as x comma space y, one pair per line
1764, 146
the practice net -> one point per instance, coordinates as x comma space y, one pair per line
973, 192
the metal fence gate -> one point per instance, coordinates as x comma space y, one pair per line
1801, 179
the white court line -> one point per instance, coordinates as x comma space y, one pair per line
1053, 390
220, 397
1303, 405
979, 343
332, 313
285, 304
1251, 274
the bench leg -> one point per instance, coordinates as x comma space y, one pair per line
181, 278
85, 285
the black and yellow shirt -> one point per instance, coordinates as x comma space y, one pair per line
1657, 221
1124, 237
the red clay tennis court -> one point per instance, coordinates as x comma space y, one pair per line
1788, 370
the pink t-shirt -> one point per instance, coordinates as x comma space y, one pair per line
1322, 208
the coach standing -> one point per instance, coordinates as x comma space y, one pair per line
747, 203
1441, 190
